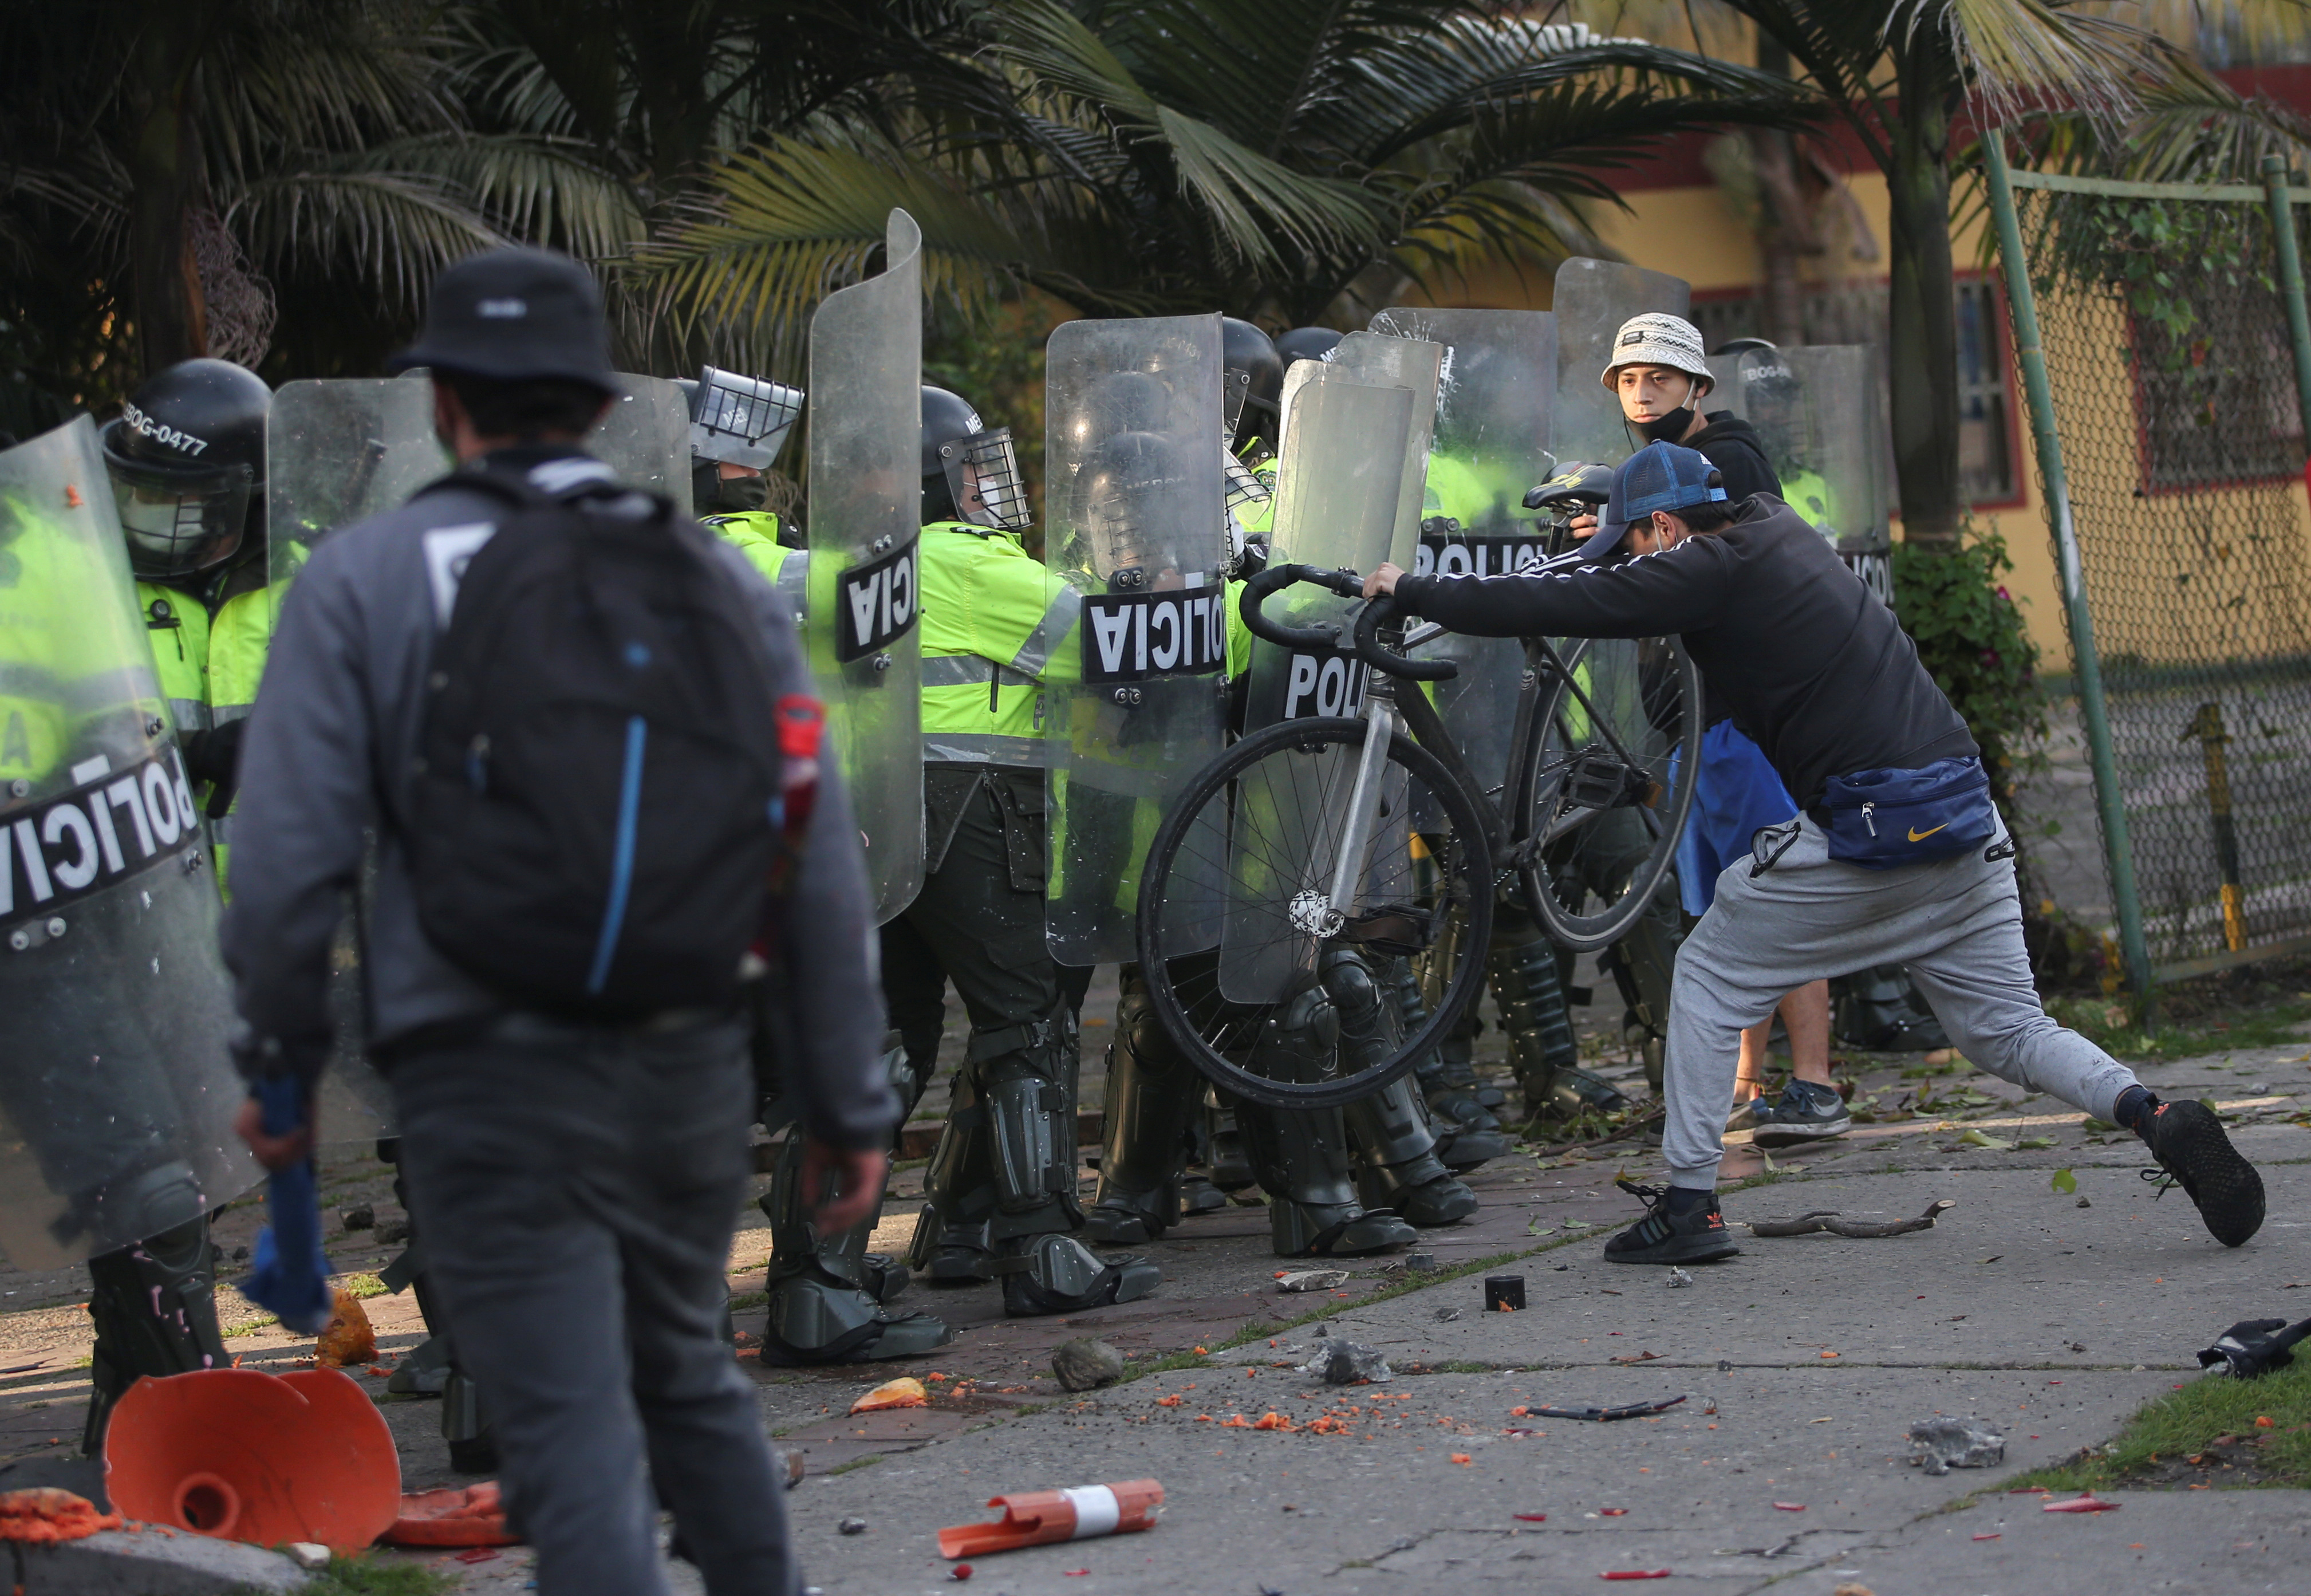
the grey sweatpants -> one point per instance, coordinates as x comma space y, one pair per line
1955, 922
577, 1191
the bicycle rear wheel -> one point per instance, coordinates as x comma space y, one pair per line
1611, 783
1278, 996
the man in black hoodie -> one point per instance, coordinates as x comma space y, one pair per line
1817, 670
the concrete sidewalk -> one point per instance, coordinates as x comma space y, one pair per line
2050, 1320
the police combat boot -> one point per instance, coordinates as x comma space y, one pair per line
1301, 1155
153, 1307
826, 1293
952, 1245
1153, 1095
1390, 1131
1541, 1047
1467, 1134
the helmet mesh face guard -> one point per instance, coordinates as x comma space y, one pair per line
1130, 490
178, 521
982, 474
1246, 491
741, 420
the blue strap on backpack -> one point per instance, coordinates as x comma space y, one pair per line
1882, 819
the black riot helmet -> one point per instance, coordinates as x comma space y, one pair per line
1253, 383
1306, 344
1129, 506
187, 458
970, 472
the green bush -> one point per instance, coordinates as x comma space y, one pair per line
1970, 636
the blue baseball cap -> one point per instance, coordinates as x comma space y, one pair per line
1658, 476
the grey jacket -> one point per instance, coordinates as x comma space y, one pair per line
326, 764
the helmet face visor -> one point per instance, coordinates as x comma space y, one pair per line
178, 523
982, 474
741, 420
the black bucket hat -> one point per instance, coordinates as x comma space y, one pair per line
516, 316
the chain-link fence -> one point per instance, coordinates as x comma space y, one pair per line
2170, 365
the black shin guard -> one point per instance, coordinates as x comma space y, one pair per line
153, 1305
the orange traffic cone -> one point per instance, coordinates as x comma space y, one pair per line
1038, 1518
243, 1455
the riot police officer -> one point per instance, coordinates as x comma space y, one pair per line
737, 426
186, 459
999, 1196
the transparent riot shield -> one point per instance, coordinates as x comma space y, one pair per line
1336, 498
339, 451
1135, 697
1491, 444
1388, 359
645, 437
1819, 415
116, 1095
866, 514
1593, 299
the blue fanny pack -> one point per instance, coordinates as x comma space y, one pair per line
1878, 819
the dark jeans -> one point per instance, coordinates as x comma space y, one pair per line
576, 1190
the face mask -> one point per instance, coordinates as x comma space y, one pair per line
711, 490
1672, 426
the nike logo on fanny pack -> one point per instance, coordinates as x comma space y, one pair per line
1918, 836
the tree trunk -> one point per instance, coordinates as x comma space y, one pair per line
1922, 313
166, 182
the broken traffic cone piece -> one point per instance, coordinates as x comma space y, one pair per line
47, 1513
906, 1392
1040, 1517
472, 1516
243, 1455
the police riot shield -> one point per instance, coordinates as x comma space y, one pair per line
339, 451
1593, 299
1338, 495
1491, 445
116, 1094
1388, 359
866, 517
1134, 703
645, 437
1819, 416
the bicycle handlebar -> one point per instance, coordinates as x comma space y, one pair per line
1365, 644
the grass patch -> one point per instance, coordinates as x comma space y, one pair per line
357, 1575
751, 1299
363, 1285
2186, 1029
2156, 1445
249, 1327
865, 1460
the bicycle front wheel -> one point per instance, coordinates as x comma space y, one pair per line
1282, 996
1611, 781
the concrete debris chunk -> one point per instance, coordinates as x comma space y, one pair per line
1312, 1279
1085, 1363
1677, 1276
1339, 1362
1939, 1445
307, 1554
363, 1218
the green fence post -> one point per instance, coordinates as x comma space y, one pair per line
2290, 279
2027, 349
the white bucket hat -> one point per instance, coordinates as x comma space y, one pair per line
1654, 339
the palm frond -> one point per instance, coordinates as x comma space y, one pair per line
391, 231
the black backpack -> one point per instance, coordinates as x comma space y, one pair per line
595, 806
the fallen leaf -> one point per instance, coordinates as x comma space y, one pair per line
2087, 1504
1992, 1536
2065, 1182
1790, 1506
1975, 1138
2033, 1144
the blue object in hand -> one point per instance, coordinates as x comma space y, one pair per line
291, 1274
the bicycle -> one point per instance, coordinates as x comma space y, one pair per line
1339, 849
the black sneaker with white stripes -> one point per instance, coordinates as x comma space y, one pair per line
1679, 1226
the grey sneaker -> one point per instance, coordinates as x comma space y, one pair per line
1804, 1113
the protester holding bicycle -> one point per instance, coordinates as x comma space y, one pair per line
1899, 855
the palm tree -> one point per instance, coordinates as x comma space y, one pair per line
178, 169
1190, 155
